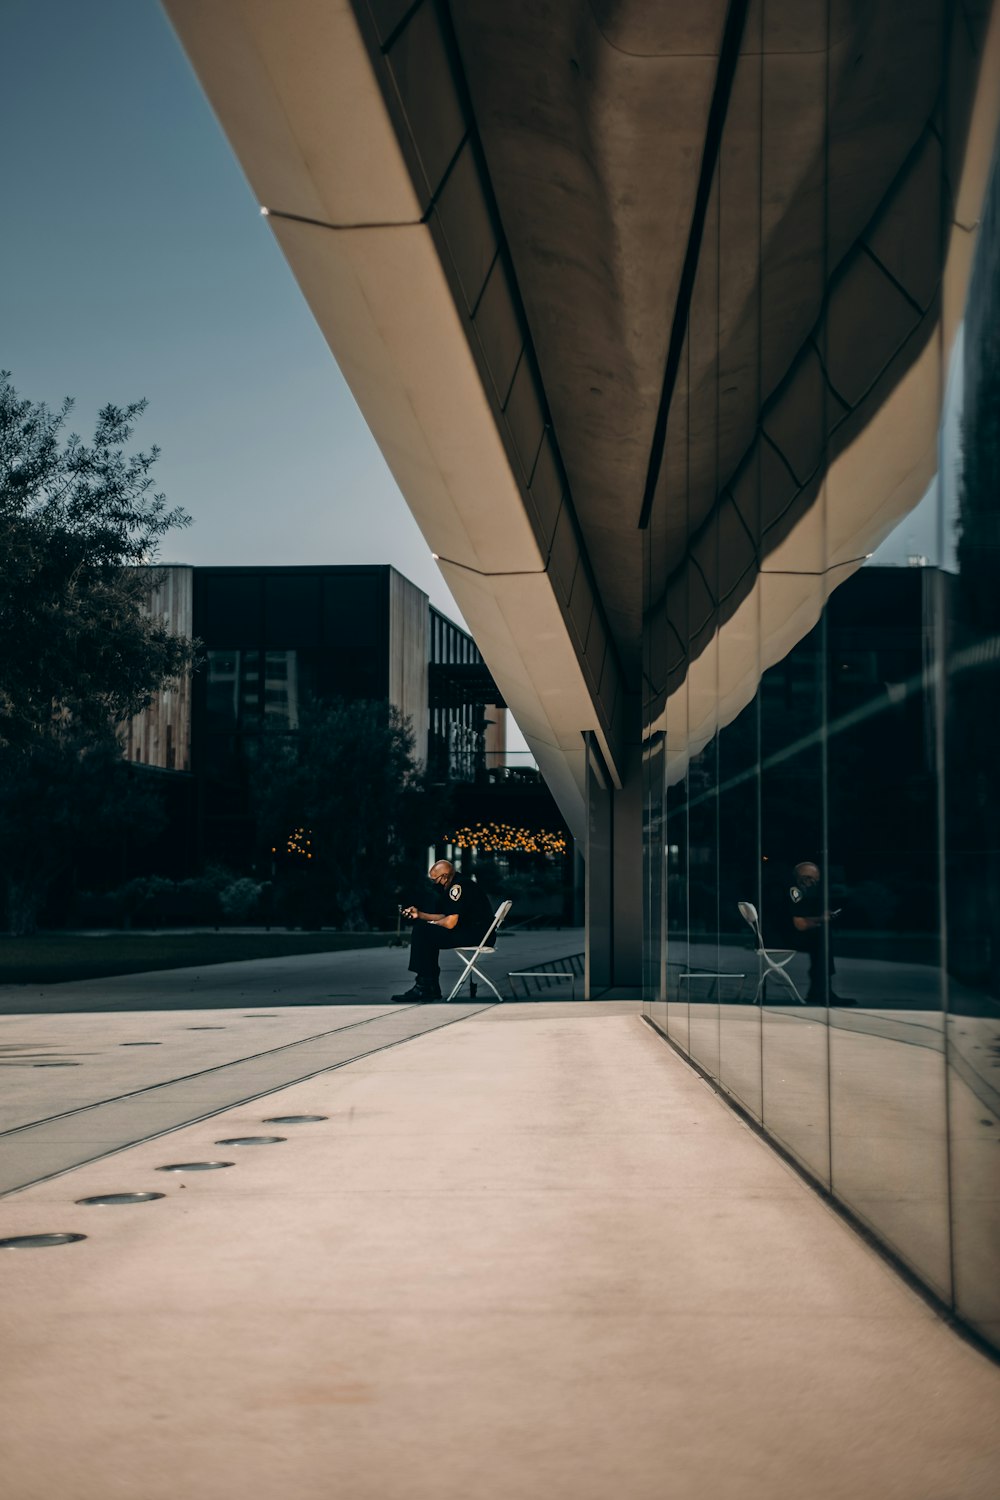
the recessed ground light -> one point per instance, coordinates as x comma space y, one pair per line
251, 1140
195, 1166
110, 1199
38, 1241
294, 1119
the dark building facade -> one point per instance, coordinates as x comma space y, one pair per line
271, 639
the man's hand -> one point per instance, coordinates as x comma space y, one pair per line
435, 918
807, 924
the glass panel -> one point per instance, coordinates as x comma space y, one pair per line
971, 604
654, 808
222, 690
223, 770
355, 623
653, 855
739, 881
292, 610
281, 688
701, 980
232, 690
228, 605
740, 229
889, 1158
792, 974
678, 958
250, 689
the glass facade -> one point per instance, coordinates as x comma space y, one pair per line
274, 638
460, 688
822, 682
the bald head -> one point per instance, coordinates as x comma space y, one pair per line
807, 873
442, 872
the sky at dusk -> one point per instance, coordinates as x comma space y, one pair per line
134, 262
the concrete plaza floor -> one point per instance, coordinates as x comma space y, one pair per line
526, 1254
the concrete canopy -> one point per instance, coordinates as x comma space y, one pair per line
490, 209
824, 185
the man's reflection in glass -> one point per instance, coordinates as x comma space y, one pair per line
811, 932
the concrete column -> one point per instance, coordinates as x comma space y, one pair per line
598, 887
613, 899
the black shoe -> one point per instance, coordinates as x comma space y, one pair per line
418, 994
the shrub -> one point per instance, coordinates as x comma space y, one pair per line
240, 900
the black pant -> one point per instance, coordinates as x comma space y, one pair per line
426, 946
811, 942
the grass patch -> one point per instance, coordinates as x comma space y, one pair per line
53, 957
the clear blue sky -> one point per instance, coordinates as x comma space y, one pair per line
134, 262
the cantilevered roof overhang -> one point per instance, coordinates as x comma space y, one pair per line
392, 236
624, 291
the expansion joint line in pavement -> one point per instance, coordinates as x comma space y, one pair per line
149, 1088
274, 1086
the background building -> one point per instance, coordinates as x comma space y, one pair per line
273, 637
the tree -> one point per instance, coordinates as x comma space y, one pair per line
347, 778
69, 791
78, 653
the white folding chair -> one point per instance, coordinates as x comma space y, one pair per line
772, 960
488, 945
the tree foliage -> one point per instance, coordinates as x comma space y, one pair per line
77, 521
349, 777
79, 654
68, 791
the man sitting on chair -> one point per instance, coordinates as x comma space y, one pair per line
462, 924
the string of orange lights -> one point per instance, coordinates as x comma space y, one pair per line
504, 838
299, 842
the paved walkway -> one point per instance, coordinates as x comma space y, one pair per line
191, 1078
526, 1256
355, 976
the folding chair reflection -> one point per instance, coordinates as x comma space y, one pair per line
772, 960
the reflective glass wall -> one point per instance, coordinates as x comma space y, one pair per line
822, 768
